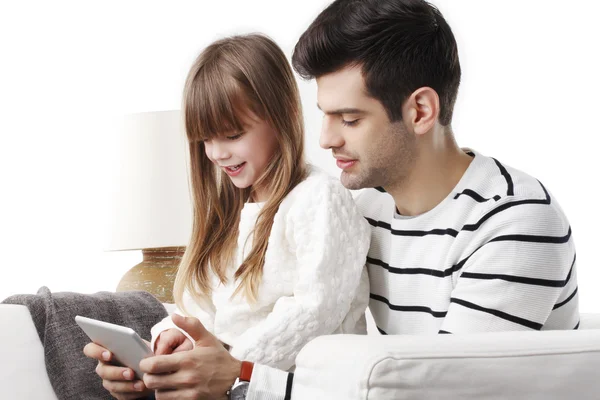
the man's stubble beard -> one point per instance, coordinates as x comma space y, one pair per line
388, 162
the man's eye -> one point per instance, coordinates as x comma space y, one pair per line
350, 123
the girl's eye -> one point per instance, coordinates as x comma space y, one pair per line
235, 137
350, 123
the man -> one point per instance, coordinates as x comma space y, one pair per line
460, 242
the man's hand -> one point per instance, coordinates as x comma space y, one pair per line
207, 372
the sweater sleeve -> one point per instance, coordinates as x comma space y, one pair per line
330, 239
204, 312
519, 270
269, 383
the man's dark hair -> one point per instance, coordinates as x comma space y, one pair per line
401, 45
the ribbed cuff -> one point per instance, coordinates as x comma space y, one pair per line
267, 384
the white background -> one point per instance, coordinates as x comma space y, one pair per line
529, 97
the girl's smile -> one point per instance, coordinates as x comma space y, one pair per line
234, 170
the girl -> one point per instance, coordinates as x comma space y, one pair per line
277, 252
278, 249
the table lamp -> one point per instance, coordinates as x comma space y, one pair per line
151, 203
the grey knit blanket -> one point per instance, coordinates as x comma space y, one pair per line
71, 373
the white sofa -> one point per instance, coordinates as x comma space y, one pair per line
511, 365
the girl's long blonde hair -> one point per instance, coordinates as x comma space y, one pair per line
231, 77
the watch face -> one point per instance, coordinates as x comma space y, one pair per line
239, 391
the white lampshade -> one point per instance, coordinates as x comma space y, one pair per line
151, 203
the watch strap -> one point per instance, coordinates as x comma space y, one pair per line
246, 371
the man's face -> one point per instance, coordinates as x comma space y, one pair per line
370, 150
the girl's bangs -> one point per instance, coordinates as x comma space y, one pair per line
215, 105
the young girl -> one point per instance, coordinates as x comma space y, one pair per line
278, 248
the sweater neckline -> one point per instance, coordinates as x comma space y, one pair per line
467, 177
252, 209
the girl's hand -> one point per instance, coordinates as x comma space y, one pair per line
119, 381
172, 341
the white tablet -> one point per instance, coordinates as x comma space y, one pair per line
127, 346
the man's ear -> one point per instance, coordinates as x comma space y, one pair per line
421, 110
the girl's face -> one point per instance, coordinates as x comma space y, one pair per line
244, 156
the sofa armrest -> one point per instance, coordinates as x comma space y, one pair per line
589, 321
495, 366
22, 370
23, 373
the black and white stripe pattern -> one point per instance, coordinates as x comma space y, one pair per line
496, 254
288, 386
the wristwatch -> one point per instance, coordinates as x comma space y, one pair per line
239, 390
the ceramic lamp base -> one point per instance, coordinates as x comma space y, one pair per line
155, 274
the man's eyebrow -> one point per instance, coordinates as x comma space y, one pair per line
346, 110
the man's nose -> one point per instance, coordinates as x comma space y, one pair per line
331, 137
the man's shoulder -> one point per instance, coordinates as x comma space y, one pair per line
495, 180
511, 198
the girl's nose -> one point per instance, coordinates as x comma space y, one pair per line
219, 151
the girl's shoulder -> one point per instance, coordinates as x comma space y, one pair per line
322, 200
318, 182
319, 188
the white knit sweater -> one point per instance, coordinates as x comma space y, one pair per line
314, 278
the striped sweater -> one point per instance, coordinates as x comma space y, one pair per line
497, 254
